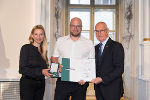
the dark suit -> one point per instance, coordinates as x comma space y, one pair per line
110, 68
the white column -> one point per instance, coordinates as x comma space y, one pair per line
146, 19
145, 25
145, 68
144, 30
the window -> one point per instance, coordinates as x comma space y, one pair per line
91, 12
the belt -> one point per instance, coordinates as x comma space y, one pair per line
32, 78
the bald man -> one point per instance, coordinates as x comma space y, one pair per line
109, 57
72, 46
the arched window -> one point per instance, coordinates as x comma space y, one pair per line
91, 12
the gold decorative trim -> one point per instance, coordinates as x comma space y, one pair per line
146, 39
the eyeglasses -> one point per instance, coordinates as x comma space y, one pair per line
77, 26
100, 31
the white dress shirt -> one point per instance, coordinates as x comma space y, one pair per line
65, 47
104, 43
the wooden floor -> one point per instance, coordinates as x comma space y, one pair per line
90, 94
94, 98
90, 98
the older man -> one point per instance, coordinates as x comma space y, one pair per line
109, 56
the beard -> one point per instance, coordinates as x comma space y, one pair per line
75, 35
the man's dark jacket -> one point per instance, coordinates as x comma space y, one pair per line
110, 68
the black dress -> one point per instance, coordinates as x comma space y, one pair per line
32, 82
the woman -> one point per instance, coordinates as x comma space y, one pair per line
33, 65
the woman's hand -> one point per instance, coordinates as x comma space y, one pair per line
46, 73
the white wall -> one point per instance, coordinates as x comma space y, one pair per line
17, 17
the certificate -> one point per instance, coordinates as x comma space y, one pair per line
75, 70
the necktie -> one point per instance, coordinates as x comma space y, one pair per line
100, 52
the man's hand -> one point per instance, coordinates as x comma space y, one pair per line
45, 72
81, 82
54, 59
97, 80
59, 68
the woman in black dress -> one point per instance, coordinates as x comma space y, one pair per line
33, 65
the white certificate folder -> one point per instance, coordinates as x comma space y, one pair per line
75, 70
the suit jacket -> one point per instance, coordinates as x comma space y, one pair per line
110, 68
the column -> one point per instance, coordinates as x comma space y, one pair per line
146, 19
144, 31
144, 16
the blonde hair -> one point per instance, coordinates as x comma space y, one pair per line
43, 44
